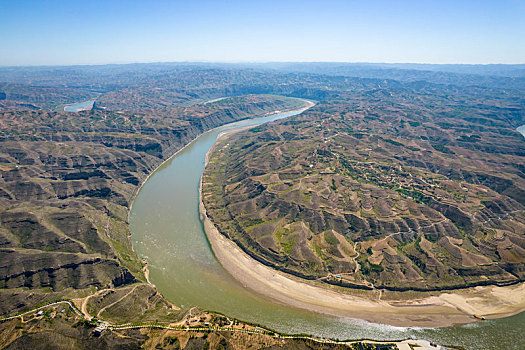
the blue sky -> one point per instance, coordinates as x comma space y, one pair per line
51, 32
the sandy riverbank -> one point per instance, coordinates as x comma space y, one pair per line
431, 309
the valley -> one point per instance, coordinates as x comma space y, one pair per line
394, 191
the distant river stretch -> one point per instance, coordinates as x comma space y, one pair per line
166, 230
81, 106
521, 130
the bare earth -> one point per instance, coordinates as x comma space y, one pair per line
403, 309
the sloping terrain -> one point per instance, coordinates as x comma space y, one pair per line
67, 181
404, 189
53, 330
308, 196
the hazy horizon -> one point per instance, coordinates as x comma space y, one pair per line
258, 62
57, 32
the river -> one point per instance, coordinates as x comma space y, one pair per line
166, 230
521, 130
80, 106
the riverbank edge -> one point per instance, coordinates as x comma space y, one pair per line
428, 309
257, 330
309, 104
145, 269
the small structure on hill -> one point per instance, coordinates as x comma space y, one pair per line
99, 330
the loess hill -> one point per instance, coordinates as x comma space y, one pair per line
67, 181
401, 177
419, 187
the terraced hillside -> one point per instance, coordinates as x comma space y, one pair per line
419, 188
67, 181
316, 200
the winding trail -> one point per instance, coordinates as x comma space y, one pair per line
117, 301
401, 344
83, 305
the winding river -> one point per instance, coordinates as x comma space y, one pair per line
166, 230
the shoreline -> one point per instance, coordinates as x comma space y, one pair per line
426, 309
145, 270
143, 182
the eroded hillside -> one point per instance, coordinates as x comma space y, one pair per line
67, 181
397, 189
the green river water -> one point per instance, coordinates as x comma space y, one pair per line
166, 230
